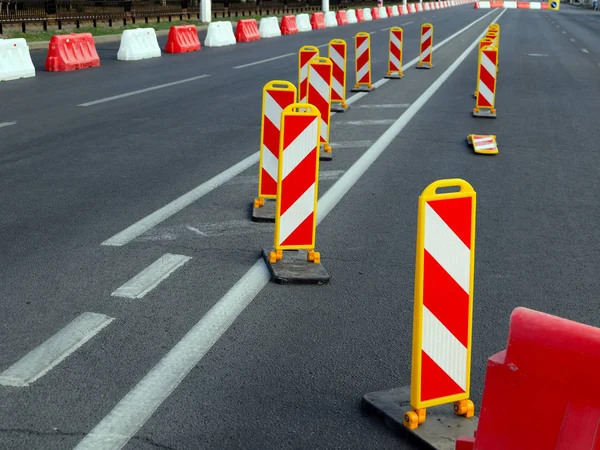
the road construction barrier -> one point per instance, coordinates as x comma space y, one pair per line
71, 52
305, 54
342, 17
351, 14
483, 144
426, 7
419, 7
395, 11
485, 42
319, 95
510, 5
337, 54
412, 8
219, 34
551, 363
288, 25
443, 305
330, 19
426, 53
15, 60
360, 15
486, 83
277, 95
375, 14
182, 39
389, 11
317, 21
382, 12
138, 44
246, 31
362, 53
522, 5
395, 53
367, 14
268, 27
297, 182
403, 10
303, 22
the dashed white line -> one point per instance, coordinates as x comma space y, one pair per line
7, 124
373, 32
143, 91
368, 122
151, 276
584, 50
385, 106
564, 32
132, 412
47, 355
572, 40
406, 23
264, 60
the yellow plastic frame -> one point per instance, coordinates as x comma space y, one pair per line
430, 63
477, 106
270, 86
368, 36
321, 60
297, 109
339, 42
488, 42
305, 48
399, 71
429, 194
471, 138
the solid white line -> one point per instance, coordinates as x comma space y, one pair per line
385, 29
143, 91
130, 414
368, 122
7, 124
47, 355
385, 106
584, 50
177, 205
151, 276
264, 61
406, 23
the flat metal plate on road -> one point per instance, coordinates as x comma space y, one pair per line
440, 430
265, 213
295, 268
325, 156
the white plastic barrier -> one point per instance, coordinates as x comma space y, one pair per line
413, 8
137, 44
15, 60
303, 22
330, 20
219, 34
269, 27
367, 14
484, 5
510, 5
453, 2
351, 14
383, 13
404, 10
535, 5
395, 11
419, 7
426, 7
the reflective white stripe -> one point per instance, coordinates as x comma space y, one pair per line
337, 87
487, 93
297, 213
447, 351
427, 35
336, 58
395, 61
362, 72
297, 150
320, 85
426, 52
395, 41
447, 249
363, 47
270, 163
273, 111
485, 146
488, 65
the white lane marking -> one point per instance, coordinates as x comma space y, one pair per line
368, 122
351, 144
264, 61
151, 276
143, 91
52, 352
536, 54
320, 46
564, 32
584, 50
7, 124
178, 204
385, 29
132, 412
406, 23
323, 174
196, 230
373, 32
385, 106
572, 40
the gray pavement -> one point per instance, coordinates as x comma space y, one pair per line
290, 371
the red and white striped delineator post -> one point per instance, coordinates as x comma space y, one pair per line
319, 95
337, 54
442, 327
426, 46
297, 193
277, 95
485, 42
305, 54
485, 103
362, 47
395, 53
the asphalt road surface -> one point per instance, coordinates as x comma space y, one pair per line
214, 356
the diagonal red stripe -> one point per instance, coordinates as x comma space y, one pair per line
456, 213
282, 98
363, 59
305, 57
445, 299
303, 235
435, 383
298, 180
294, 126
271, 137
315, 99
268, 184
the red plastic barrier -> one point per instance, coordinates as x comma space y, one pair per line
360, 15
498, 4
375, 13
71, 52
542, 392
341, 17
246, 31
317, 21
388, 9
289, 25
182, 39
523, 5
544, 5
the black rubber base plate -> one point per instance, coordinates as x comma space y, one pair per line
265, 213
362, 89
484, 113
325, 156
295, 268
393, 76
425, 66
441, 428
338, 108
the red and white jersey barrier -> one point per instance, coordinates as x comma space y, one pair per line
319, 94
305, 54
426, 46
510, 5
485, 104
442, 328
395, 53
297, 182
277, 95
337, 54
362, 52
